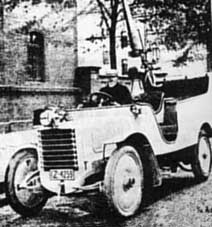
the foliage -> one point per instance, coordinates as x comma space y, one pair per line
175, 21
9, 5
178, 20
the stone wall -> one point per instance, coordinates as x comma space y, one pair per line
17, 104
20, 92
57, 25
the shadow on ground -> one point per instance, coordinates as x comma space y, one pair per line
90, 211
3, 200
171, 186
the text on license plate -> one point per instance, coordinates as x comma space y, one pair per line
61, 174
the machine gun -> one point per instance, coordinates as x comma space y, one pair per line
138, 49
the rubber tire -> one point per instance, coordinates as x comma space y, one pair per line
11, 194
109, 181
199, 173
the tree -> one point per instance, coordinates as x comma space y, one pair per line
110, 11
179, 20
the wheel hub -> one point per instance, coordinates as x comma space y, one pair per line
27, 183
30, 182
204, 155
128, 184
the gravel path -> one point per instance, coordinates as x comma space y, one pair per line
179, 202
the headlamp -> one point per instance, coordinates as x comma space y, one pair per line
52, 117
47, 118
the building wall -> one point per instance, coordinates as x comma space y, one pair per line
20, 93
19, 103
58, 27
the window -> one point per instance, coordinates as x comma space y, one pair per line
70, 3
36, 66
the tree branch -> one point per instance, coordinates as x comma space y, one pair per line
119, 12
111, 4
104, 14
114, 13
103, 8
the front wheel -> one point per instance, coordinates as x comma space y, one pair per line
201, 164
22, 184
124, 180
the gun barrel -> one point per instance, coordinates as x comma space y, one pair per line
133, 33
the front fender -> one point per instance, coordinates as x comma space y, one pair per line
10, 152
12, 143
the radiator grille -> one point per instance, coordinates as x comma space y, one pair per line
59, 149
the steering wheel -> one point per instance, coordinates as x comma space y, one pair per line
100, 99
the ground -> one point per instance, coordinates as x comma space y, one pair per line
180, 202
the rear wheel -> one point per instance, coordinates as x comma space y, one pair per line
22, 184
201, 165
124, 180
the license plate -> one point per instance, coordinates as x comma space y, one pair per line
61, 174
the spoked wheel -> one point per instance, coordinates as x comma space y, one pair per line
123, 182
201, 165
22, 182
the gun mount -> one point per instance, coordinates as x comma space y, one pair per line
133, 33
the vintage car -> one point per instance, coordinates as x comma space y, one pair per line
117, 150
